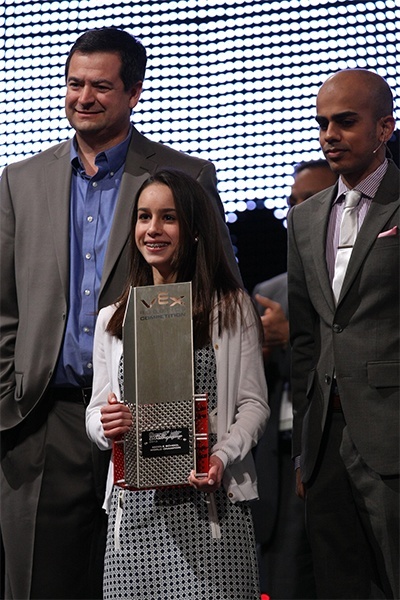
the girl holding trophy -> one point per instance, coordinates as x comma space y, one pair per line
196, 540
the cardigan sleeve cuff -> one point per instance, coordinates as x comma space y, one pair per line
222, 455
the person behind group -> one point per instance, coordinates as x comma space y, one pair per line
64, 231
344, 328
284, 554
174, 239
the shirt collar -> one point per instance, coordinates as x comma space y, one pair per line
368, 186
108, 161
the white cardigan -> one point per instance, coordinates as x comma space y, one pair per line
242, 406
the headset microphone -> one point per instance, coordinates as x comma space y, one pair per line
376, 149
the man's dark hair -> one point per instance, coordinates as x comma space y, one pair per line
109, 39
311, 164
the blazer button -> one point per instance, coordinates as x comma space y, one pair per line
336, 328
328, 379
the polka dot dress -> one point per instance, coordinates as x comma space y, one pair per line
181, 544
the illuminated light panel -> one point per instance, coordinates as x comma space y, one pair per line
234, 82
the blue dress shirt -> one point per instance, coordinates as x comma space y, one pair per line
92, 205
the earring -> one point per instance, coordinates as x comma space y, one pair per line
196, 239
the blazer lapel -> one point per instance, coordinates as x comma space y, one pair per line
58, 183
318, 228
385, 203
138, 167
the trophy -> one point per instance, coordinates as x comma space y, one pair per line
169, 435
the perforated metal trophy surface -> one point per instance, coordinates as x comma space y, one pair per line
160, 448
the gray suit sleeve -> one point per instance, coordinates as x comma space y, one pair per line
208, 179
8, 296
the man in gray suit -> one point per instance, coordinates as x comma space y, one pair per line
345, 347
65, 217
283, 549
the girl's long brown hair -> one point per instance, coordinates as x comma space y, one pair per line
200, 258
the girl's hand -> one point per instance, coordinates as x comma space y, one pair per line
213, 480
116, 418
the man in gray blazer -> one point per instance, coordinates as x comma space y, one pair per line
283, 549
65, 217
345, 351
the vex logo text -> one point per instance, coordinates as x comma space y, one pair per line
163, 299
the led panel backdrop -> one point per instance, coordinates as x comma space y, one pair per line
234, 82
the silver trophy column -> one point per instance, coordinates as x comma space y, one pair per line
159, 386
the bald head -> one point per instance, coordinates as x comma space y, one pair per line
371, 86
355, 117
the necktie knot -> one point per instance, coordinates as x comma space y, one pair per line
352, 198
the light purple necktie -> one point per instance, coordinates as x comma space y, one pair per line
347, 237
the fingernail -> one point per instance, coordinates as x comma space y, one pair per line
211, 482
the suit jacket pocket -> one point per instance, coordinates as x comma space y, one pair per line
383, 373
386, 242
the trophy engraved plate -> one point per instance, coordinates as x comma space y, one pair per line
160, 448
165, 442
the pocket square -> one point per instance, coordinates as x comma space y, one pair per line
392, 231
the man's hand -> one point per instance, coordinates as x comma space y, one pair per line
275, 325
116, 418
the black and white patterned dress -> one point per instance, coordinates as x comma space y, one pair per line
164, 544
